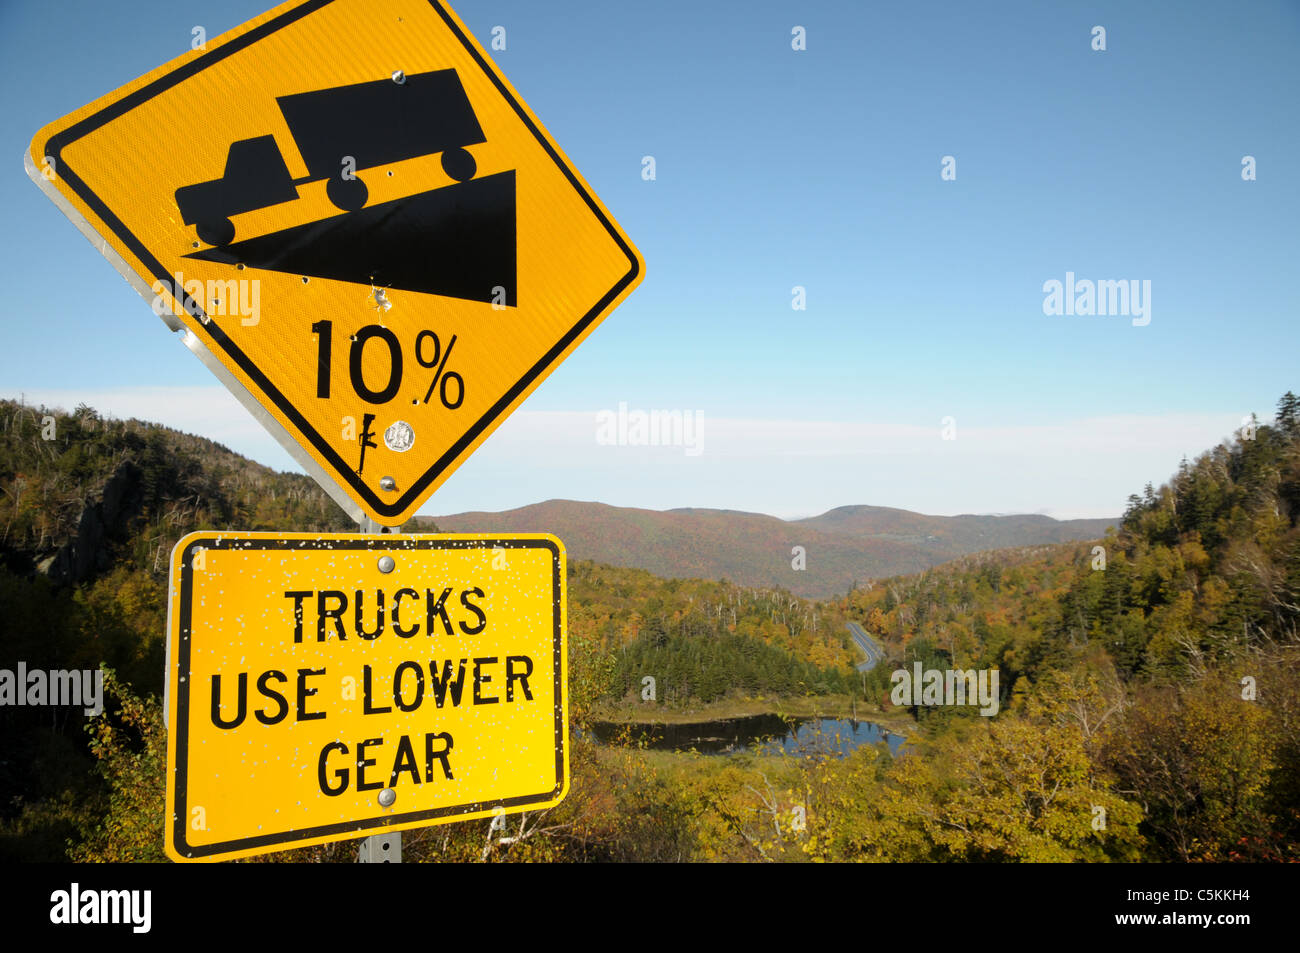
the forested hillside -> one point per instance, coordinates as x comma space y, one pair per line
1150, 691
1203, 570
78, 488
1170, 647
706, 640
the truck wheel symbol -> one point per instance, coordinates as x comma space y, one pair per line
218, 232
459, 164
348, 194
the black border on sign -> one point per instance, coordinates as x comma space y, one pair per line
57, 143
180, 808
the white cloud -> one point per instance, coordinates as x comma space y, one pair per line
1080, 468
1076, 468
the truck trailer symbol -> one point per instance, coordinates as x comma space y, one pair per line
373, 123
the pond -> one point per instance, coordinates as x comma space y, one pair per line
768, 733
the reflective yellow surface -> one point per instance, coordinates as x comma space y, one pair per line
122, 159
320, 706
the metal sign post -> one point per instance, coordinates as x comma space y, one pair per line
383, 848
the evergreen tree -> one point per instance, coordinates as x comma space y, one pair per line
1288, 414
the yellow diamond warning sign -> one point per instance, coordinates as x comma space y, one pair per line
326, 687
368, 235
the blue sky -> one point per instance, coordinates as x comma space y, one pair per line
818, 168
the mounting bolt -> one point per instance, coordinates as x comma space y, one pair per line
387, 483
386, 564
399, 77
386, 797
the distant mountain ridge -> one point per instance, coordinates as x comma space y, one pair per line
104, 491
846, 545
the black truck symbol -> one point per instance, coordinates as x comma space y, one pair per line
372, 123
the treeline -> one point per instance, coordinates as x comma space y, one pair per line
619, 605
703, 640
707, 666
1205, 568
55, 466
1167, 652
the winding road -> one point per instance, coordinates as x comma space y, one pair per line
868, 645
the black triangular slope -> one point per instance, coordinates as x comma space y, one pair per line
457, 241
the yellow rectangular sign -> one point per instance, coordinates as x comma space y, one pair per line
324, 687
